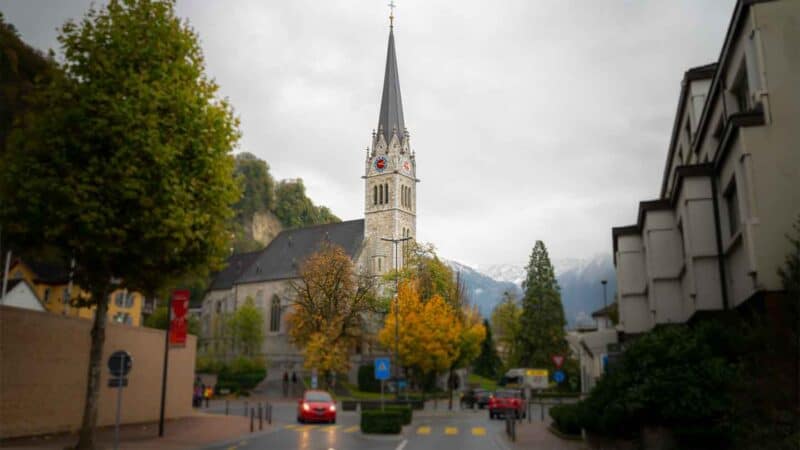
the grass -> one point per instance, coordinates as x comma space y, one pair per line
485, 383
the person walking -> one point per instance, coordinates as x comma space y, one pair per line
294, 383
285, 383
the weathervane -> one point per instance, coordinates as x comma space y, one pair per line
391, 13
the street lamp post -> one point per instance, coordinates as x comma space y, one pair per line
605, 301
396, 362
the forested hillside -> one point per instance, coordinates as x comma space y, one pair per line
266, 205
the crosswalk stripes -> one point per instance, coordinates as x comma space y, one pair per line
422, 430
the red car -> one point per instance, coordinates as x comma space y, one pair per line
316, 406
507, 401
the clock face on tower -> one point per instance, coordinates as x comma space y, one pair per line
380, 163
407, 167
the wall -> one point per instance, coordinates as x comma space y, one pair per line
43, 367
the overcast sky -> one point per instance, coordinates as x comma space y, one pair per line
530, 119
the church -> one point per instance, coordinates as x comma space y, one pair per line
390, 205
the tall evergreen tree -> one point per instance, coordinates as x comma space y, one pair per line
542, 323
488, 363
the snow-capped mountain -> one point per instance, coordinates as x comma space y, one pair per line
579, 279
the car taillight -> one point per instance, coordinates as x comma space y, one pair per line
306, 407
332, 408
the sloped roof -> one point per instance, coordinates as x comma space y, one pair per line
284, 255
47, 272
391, 114
605, 311
235, 266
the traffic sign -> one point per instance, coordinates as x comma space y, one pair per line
120, 363
558, 360
559, 376
537, 378
382, 366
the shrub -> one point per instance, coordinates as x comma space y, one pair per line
405, 412
389, 421
567, 418
241, 375
366, 379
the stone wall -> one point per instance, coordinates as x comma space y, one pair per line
44, 360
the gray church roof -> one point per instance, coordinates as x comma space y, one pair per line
235, 266
286, 253
391, 115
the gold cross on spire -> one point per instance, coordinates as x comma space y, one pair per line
391, 13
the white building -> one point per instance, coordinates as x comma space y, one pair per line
592, 347
716, 236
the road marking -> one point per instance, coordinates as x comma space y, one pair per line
308, 427
450, 431
331, 428
424, 430
352, 429
292, 427
402, 445
479, 431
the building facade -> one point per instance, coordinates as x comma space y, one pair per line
716, 236
265, 276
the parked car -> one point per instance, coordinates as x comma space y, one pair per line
473, 397
316, 406
507, 401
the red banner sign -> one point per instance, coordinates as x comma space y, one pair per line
558, 360
179, 323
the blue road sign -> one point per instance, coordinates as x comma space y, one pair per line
382, 368
559, 376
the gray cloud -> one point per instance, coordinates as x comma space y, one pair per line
531, 120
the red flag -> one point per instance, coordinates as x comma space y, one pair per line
179, 324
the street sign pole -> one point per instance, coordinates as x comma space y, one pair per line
119, 405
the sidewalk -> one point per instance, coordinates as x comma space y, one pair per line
535, 435
187, 433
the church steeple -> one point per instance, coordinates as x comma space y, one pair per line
390, 119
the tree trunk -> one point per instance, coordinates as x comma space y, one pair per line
450, 390
86, 437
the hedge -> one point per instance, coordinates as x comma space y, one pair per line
389, 421
405, 411
567, 418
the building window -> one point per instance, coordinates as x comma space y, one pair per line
47, 295
260, 299
123, 318
374, 195
123, 299
386, 190
275, 315
741, 91
380, 194
732, 204
379, 265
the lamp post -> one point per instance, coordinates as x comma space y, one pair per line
396, 311
605, 301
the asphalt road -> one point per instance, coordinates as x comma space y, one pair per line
435, 430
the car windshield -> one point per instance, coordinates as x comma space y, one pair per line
318, 397
507, 394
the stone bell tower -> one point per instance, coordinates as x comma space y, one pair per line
390, 192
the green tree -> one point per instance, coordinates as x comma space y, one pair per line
123, 163
294, 209
505, 321
246, 326
258, 187
488, 363
160, 321
542, 322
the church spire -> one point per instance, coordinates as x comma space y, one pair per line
390, 119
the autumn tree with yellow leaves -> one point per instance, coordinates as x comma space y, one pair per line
332, 304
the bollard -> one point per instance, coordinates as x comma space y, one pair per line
270, 413
260, 417
226, 407
529, 413
252, 416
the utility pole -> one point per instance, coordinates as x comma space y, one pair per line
396, 362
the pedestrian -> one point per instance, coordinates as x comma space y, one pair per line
294, 383
285, 383
198, 396
208, 393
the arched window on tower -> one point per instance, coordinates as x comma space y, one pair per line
380, 194
275, 314
403, 195
386, 190
374, 195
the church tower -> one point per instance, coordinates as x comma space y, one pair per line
390, 208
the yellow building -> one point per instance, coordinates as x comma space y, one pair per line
51, 285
